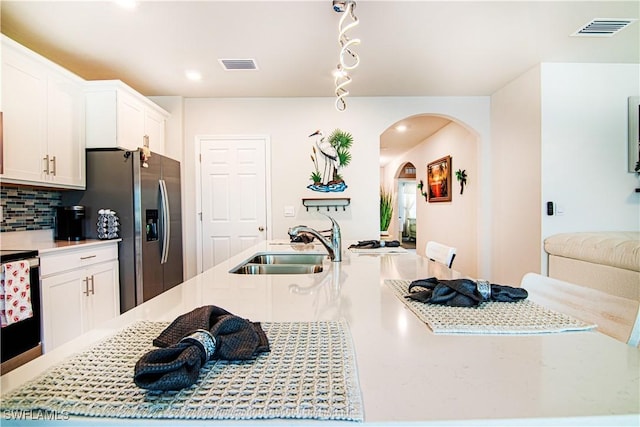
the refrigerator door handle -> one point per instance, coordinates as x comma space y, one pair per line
166, 221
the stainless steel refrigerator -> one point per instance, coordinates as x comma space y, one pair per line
147, 203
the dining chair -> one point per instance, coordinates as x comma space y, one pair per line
615, 316
441, 253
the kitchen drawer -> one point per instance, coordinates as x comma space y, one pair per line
68, 259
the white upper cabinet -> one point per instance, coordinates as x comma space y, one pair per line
65, 124
154, 128
130, 121
119, 117
43, 120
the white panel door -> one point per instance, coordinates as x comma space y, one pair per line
233, 196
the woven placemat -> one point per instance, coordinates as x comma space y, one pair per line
522, 317
310, 373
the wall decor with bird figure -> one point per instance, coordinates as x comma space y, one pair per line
330, 155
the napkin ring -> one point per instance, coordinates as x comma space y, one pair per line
484, 289
203, 339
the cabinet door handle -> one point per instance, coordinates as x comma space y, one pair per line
46, 164
87, 257
92, 286
86, 286
53, 170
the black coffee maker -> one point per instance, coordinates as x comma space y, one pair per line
69, 223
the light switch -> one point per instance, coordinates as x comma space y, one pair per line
289, 211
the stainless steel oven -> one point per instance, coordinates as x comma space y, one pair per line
20, 342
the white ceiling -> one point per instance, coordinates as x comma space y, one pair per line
409, 48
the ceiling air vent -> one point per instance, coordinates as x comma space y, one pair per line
238, 64
603, 27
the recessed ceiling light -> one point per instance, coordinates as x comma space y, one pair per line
127, 4
401, 128
194, 75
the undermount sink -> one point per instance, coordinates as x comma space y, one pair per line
281, 263
286, 258
277, 269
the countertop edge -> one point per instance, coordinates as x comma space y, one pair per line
43, 241
62, 245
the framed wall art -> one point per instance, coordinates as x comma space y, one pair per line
439, 180
634, 134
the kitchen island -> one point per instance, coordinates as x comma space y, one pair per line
407, 374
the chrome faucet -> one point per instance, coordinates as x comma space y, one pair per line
334, 247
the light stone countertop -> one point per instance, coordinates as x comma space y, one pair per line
408, 375
59, 245
43, 242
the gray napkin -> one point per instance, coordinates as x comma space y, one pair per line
177, 363
374, 244
460, 292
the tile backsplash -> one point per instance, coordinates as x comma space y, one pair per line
27, 208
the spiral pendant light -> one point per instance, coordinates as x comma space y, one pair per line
341, 79
348, 58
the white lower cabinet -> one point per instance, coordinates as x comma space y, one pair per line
79, 299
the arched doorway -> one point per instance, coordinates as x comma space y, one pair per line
455, 222
406, 205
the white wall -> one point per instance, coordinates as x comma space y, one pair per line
560, 134
556, 128
516, 178
584, 147
288, 122
452, 223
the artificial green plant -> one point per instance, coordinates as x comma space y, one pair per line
386, 208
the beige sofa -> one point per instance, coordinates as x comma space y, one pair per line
607, 261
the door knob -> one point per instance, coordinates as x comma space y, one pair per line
260, 228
